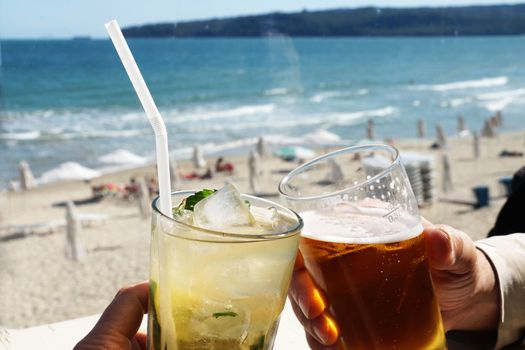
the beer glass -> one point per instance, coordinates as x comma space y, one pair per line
362, 243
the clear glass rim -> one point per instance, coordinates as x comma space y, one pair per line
348, 150
295, 230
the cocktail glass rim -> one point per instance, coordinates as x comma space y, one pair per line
352, 149
238, 237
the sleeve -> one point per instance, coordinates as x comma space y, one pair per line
507, 255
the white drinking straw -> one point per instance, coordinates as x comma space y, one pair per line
161, 135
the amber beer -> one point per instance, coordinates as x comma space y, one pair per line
380, 294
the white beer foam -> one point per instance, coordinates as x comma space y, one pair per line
359, 225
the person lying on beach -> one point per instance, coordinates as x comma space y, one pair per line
194, 175
480, 286
109, 189
222, 166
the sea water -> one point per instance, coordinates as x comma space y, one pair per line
71, 101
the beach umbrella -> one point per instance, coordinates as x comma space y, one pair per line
197, 158
294, 152
262, 147
27, 180
122, 156
335, 173
322, 137
254, 168
69, 171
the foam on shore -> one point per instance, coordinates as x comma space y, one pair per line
467, 84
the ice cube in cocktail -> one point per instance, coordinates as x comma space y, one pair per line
220, 272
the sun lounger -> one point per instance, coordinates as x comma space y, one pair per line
9, 232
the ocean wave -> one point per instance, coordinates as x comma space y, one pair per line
132, 116
281, 123
456, 102
381, 112
276, 91
497, 101
501, 94
467, 84
111, 133
322, 96
61, 135
202, 114
494, 106
20, 136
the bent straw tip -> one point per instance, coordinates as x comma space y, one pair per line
111, 23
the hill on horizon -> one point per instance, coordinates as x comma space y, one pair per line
366, 21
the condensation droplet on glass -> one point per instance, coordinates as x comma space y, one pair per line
368, 177
383, 196
372, 187
392, 185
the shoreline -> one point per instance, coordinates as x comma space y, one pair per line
241, 149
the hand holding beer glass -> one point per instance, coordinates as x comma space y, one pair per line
363, 246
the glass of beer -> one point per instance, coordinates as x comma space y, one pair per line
362, 243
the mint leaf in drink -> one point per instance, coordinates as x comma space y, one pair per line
224, 314
189, 202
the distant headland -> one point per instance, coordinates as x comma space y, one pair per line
366, 21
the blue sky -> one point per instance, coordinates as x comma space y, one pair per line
67, 18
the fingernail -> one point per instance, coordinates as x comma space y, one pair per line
445, 232
313, 305
326, 330
441, 246
321, 335
304, 304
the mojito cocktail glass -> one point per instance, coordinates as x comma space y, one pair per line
220, 289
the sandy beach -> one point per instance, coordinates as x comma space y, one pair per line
39, 284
